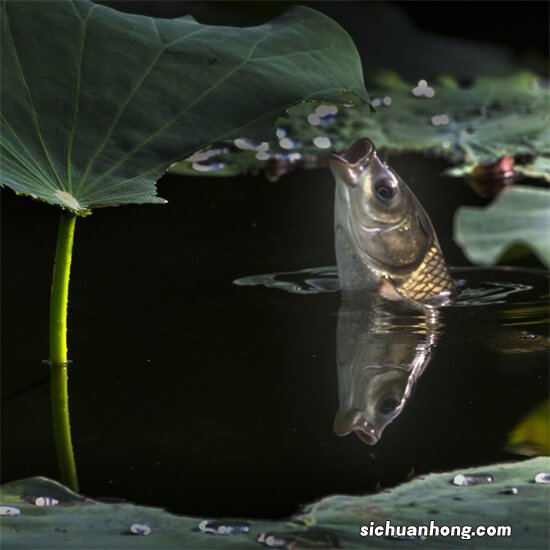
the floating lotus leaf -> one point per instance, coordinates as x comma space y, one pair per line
76, 522
540, 167
96, 103
518, 216
467, 126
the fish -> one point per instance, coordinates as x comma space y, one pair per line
384, 238
383, 348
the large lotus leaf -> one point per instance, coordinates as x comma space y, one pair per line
468, 126
96, 103
518, 216
435, 498
511, 499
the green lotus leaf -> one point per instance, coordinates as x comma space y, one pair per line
96, 103
467, 126
435, 498
512, 499
538, 168
518, 216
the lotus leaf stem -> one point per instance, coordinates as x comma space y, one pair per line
59, 390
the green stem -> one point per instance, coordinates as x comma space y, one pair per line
59, 391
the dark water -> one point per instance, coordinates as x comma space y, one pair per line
207, 398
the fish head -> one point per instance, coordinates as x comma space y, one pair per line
386, 231
379, 397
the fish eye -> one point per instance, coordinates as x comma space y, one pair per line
388, 404
384, 189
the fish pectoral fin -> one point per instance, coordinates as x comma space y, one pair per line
388, 290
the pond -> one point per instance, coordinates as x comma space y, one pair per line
208, 398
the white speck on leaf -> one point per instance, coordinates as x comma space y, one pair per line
440, 120
423, 90
322, 142
324, 110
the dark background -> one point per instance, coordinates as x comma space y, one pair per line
522, 26
441, 34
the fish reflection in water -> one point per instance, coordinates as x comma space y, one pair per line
386, 247
382, 349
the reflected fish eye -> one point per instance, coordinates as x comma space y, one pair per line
388, 404
385, 189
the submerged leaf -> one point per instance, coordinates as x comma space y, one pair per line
96, 103
518, 216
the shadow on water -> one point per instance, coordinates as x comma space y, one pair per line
196, 394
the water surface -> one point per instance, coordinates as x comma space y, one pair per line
209, 398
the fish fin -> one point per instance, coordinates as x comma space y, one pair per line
387, 290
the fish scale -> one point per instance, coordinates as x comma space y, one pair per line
431, 278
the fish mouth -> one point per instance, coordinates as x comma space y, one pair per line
367, 437
349, 165
360, 151
355, 421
